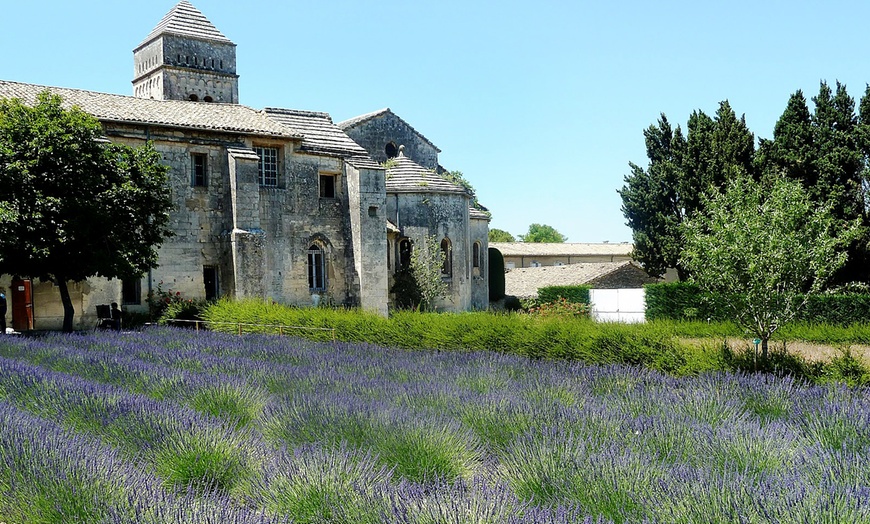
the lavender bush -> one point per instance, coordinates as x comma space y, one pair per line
179, 426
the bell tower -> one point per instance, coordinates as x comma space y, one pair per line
186, 58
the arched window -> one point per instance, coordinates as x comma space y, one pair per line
391, 150
193, 98
475, 255
316, 268
405, 253
447, 251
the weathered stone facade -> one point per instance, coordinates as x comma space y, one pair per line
383, 133
277, 204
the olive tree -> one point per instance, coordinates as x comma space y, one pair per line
764, 249
427, 261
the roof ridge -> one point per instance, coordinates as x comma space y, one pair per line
362, 118
185, 19
368, 116
299, 112
126, 108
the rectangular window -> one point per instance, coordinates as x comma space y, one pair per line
131, 292
210, 279
268, 166
198, 162
327, 186
316, 269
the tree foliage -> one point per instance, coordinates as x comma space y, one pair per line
71, 205
498, 235
427, 261
459, 179
827, 152
766, 248
544, 234
658, 199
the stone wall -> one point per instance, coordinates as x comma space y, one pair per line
368, 210
374, 135
418, 215
479, 229
174, 68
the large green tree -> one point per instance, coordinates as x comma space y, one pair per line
544, 234
764, 248
826, 151
500, 235
72, 205
658, 199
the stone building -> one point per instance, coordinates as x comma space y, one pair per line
421, 202
538, 254
274, 204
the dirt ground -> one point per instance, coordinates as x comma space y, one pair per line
808, 350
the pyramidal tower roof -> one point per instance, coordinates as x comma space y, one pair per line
186, 20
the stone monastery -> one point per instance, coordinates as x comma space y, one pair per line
273, 204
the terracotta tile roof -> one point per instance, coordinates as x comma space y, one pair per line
186, 20
355, 121
564, 249
321, 135
406, 176
525, 282
231, 118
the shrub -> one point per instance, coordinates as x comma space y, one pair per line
164, 306
574, 294
561, 307
685, 301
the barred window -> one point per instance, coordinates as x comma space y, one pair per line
268, 166
198, 170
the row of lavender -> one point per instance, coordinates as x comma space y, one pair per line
171, 426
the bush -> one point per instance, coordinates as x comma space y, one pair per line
561, 307
656, 344
573, 294
164, 306
685, 301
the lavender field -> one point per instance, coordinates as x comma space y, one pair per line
171, 426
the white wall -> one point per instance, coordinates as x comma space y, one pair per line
618, 305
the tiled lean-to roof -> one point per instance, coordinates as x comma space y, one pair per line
406, 176
230, 118
186, 20
321, 135
563, 249
525, 282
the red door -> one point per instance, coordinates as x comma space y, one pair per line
22, 305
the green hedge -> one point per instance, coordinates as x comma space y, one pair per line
657, 345
574, 294
685, 301
534, 337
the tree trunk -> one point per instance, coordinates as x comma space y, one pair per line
764, 349
68, 311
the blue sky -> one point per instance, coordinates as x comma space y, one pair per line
540, 104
